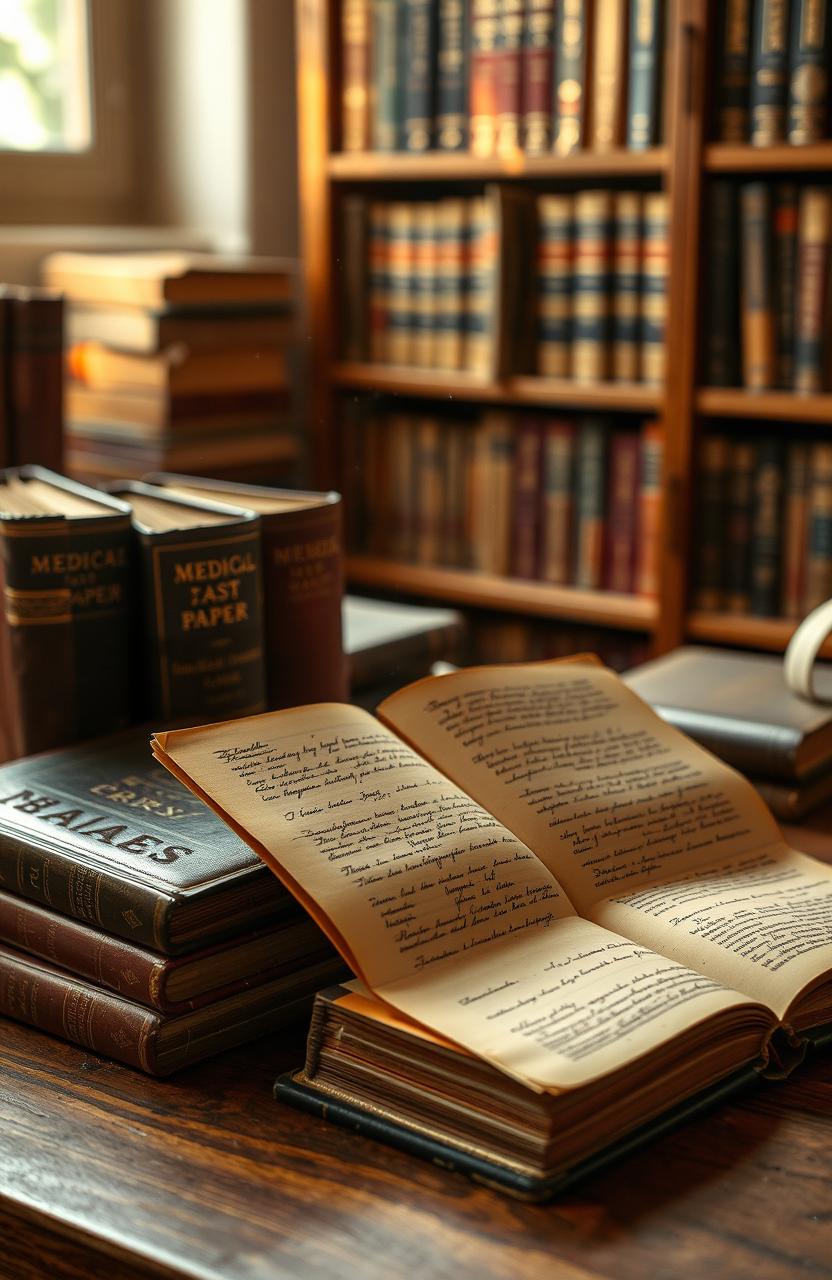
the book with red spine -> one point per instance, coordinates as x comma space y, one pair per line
536, 76
650, 513
620, 542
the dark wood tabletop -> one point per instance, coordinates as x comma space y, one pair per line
107, 1173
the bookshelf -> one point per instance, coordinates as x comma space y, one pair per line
681, 167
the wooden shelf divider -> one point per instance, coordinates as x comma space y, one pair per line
745, 631
788, 406
729, 157
461, 167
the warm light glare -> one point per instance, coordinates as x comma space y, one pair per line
44, 76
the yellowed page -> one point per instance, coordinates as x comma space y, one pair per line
439, 908
616, 803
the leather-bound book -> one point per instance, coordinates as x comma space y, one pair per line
537, 76
720, 335
528, 460
484, 43
607, 92
808, 107
355, 75
591, 283
557, 503
378, 275
733, 71
452, 76
621, 532
355, 283
509, 76
769, 72
646, 58
766, 528
427, 460
67, 578
36, 318
401, 243
423, 290
570, 75
303, 582
626, 286
555, 254
795, 529
492, 483
756, 287
202, 623
449, 284
591, 468
785, 279
814, 239
177, 372
420, 80
742, 469
387, 91
648, 550
655, 277
712, 491
818, 584
170, 278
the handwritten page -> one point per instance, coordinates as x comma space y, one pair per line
437, 906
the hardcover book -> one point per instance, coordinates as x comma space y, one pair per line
583, 902
159, 280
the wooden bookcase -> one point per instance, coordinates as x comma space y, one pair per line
680, 166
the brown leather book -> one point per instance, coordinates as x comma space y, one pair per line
35, 346
303, 583
355, 75
66, 574
178, 371
757, 299
608, 89
169, 278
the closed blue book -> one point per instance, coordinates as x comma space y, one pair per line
419, 42
643, 113
452, 76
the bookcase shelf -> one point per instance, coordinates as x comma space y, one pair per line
513, 595
461, 167
772, 634
633, 397
724, 157
788, 406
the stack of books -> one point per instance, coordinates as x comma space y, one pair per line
31, 376
180, 361
133, 922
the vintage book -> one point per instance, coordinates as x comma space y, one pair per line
69, 605
554, 285
141, 415
655, 278
202, 619
378, 268
591, 464
795, 530
766, 528
98, 832
401, 242
756, 287
419, 34
648, 550
34, 345
528, 480
387, 90
145, 331
43, 996
769, 72
449, 284
158, 280
171, 985
646, 55
808, 103
452, 76
739, 525
557, 514
536, 79
591, 283
733, 80
712, 490
508, 76
720, 328
428, 462
508, 904
404, 497
303, 582
570, 75
621, 532
625, 333
354, 292
233, 455
784, 282
483, 87
458, 446
386, 640
482, 285
791, 802
176, 371
738, 706
814, 235
609, 77
818, 586
491, 493
423, 292
355, 75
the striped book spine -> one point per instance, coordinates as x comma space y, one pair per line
452, 76
733, 71
813, 239
712, 491
387, 95
766, 528
379, 284
795, 530
590, 489
554, 283
654, 285
721, 326
525, 542
756, 287
450, 284
355, 75
626, 287
400, 253
419, 86
819, 556
769, 72
557, 502
423, 293
485, 27
536, 78
785, 264
645, 65
742, 468
481, 285
571, 44
508, 74
591, 286
808, 71
609, 51
622, 513
648, 552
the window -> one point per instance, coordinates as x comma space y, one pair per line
44, 76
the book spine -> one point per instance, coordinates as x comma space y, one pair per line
387, 95
756, 287
420, 43
427, 270
355, 75
37, 380
769, 72
626, 286
622, 513
508, 76
101, 571
819, 558
450, 284
481, 285
525, 552
571, 46
709, 546
401, 243
485, 30
608, 74
648, 550
452, 544
452, 76
721, 323
740, 486
399, 440
428, 465
554, 284
591, 286
654, 285
785, 261
557, 516
795, 530
501, 463
808, 71
356, 296
203, 622
733, 80
537, 76
813, 236
590, 488
378, 256
766, 529
645, 63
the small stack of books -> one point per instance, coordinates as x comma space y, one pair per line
498, 76
181, 361
133, 922
31, 376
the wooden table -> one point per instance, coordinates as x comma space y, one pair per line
107, 1173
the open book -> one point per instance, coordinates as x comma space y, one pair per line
532, 865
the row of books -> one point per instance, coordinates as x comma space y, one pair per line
767, 307
773, 71
177, 361
570, 502
498, 638
182, 599
510, 281
498, 76
764, 525
31, 363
